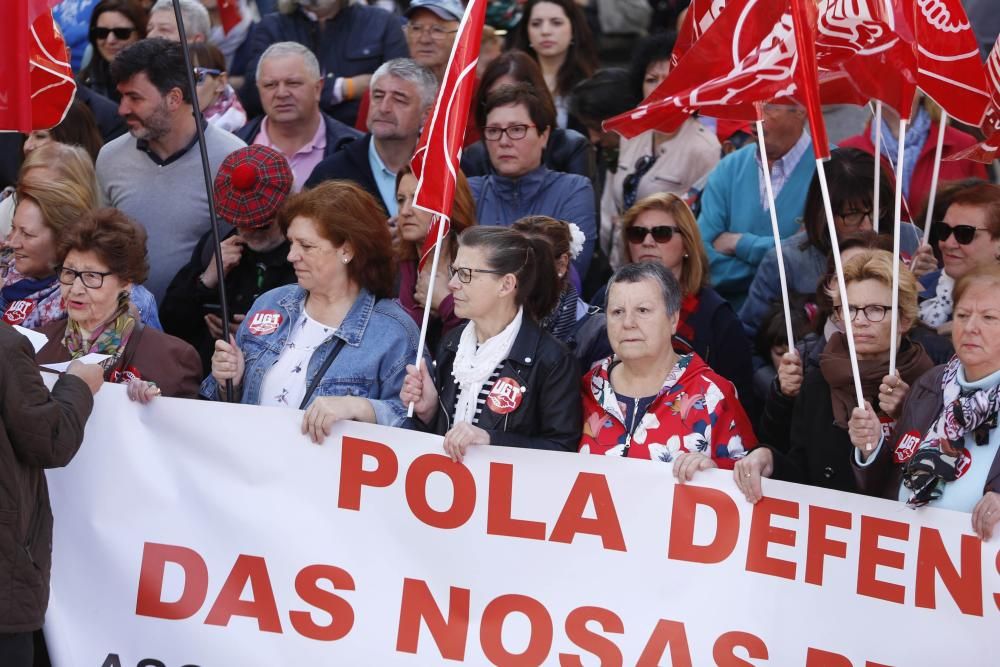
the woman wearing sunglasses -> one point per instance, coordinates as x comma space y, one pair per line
968, 238
501, 379
114, 24
216, 98
662, 229
820, 450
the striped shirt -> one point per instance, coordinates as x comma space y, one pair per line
483, 395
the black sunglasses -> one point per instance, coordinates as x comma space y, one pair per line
119, 33
661, 233
964, 234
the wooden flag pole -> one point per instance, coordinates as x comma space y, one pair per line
777, 235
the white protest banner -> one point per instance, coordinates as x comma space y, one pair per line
191, 533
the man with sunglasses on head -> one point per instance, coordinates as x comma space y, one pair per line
967, 238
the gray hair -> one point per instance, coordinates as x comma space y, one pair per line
193, 13
410, 70
282, 49
664, 277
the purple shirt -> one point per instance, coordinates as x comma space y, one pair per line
304, 160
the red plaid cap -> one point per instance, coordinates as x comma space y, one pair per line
252, 184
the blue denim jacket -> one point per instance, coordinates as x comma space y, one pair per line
380, 338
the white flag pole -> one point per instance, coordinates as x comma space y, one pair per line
878, 166
777, 235
427, 300
894, 327
841, 285
935, 174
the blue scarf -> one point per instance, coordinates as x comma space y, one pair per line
916, 136
24, 288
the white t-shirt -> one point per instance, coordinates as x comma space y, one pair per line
285, 383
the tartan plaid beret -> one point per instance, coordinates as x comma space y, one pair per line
251, 185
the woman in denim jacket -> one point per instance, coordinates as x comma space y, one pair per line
342, 255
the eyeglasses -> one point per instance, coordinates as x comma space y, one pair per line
91, 279
515, 132
874, 312
964, 234
854, 219
630, 187
661, 233
100, 34
465, 274
201, 72
436, 32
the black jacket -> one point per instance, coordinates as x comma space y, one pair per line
567, 151
38, 430
338, 135
356, 41
350, 164
184, 305
109, 123
549, 415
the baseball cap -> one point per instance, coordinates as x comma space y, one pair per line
449, 10
251, 185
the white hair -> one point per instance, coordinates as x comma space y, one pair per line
412, 71
193, 13
282, 49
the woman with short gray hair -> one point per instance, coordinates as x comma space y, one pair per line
645, 400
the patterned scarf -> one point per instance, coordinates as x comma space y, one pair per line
684, 338
42, 292
562, 319
110, 339
937, 310
943, 448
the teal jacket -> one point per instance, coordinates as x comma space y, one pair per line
731, 203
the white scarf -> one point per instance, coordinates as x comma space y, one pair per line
474, 364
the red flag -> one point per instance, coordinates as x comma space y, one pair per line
741, 58
435, 162
36, 80
38, 7
950, 68
807, 75
987, 151
229, 14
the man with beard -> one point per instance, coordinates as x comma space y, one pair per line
402, 94
154, 173
349, 40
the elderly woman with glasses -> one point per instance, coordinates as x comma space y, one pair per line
647, 401
501, 379
102, 257
820, 451
654, 161
968, 239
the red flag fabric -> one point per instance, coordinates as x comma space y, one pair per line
987, 151
807, 74
36, 80
743, 57
38, 7
229, 14
435, 161
950, 68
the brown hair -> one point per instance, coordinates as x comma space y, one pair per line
519, 66
981, 274
694, 275
539, 106
79, 128
345, 213
581, 56
556, 232
463, 216
208, 55
985, 196
116, 239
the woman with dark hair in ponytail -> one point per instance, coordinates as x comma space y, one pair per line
501, 379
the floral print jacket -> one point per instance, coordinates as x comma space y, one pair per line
696, 411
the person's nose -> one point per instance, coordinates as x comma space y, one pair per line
454, 284
648, 241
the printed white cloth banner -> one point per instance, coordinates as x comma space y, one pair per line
192, 533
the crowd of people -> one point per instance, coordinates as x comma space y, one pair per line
616, 297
